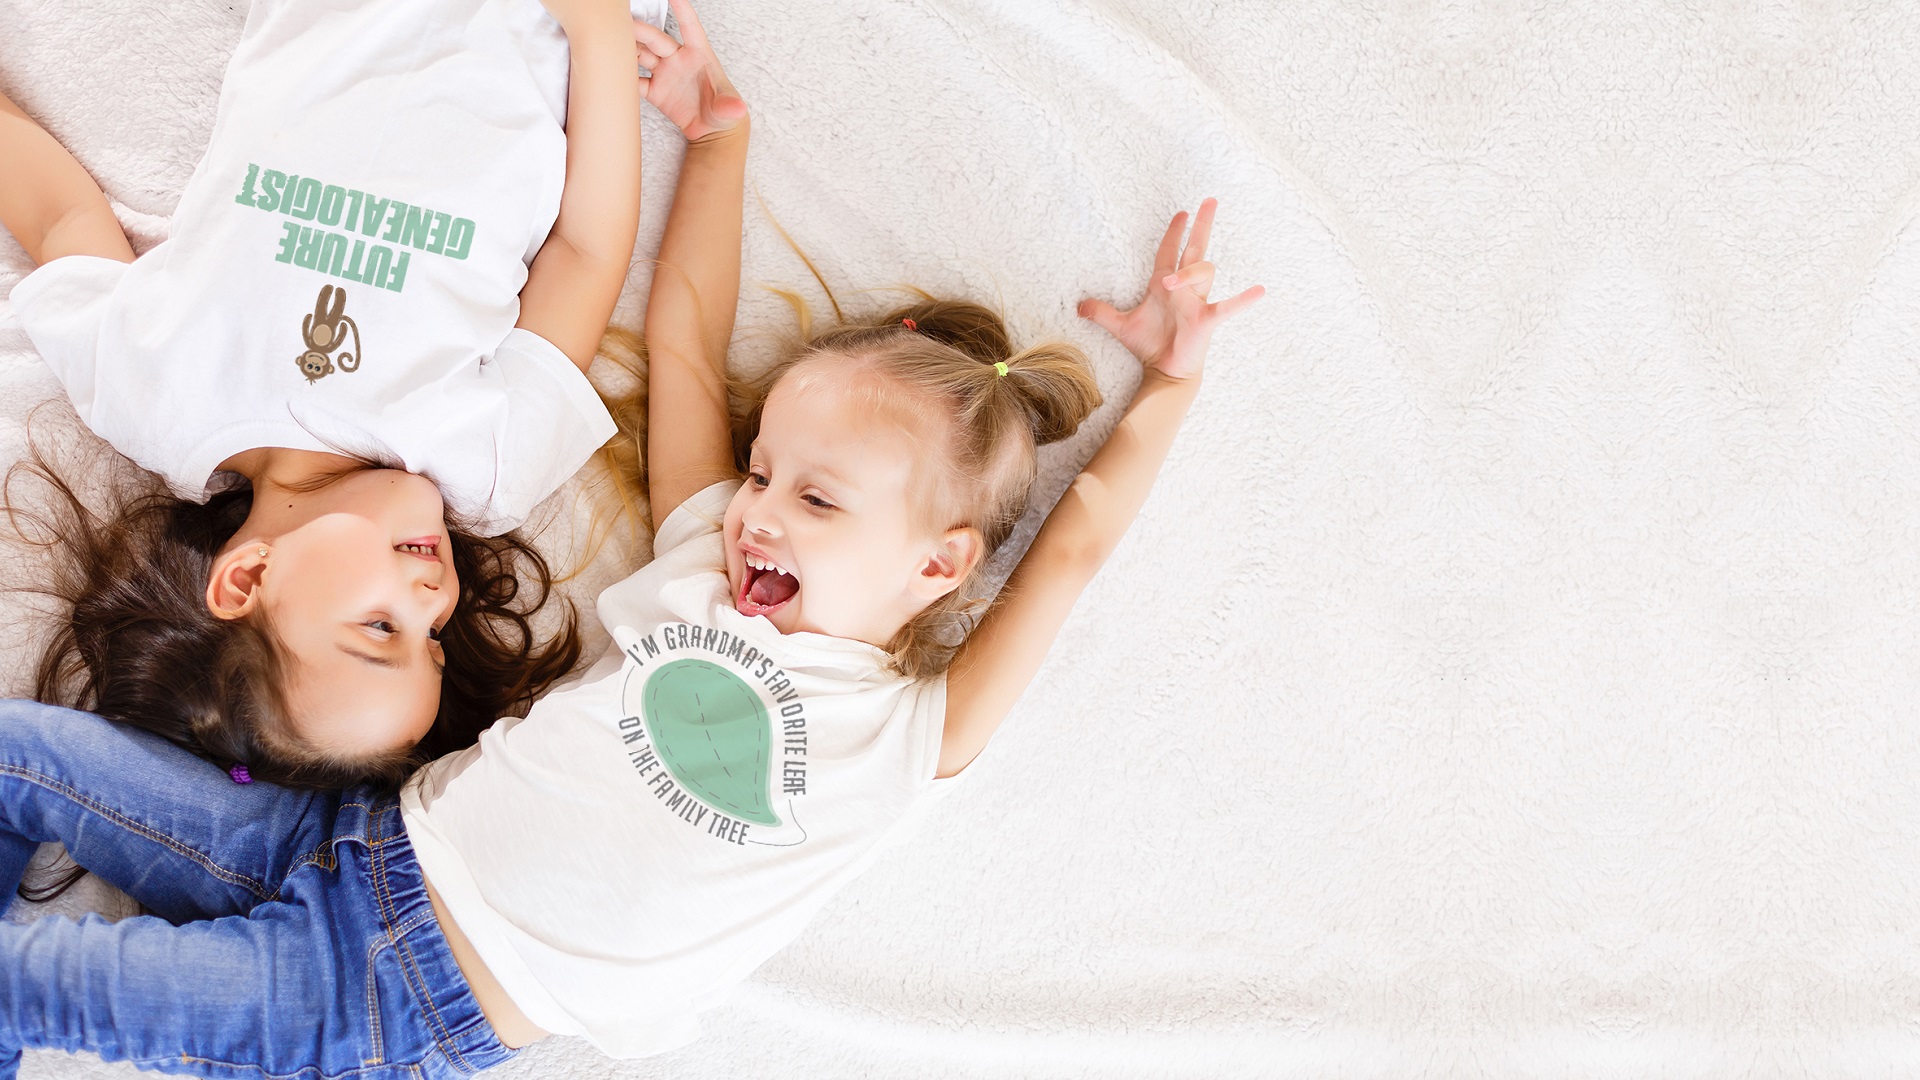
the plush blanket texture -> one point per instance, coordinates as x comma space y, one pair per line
1514, 671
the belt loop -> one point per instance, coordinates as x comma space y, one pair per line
356, 821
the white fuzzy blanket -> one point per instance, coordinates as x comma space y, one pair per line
1514, 672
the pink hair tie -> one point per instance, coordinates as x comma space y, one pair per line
910, 324
240, 774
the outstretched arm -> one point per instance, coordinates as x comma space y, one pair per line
696, 286
1169, 332
574, 281
47, 201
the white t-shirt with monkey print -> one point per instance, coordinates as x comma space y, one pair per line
652, 832
343, 270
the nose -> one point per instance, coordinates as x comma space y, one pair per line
431, 575
436, 584
760, 519
433, 602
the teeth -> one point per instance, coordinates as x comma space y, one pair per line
762, 564
418, 549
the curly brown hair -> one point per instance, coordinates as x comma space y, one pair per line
139, 646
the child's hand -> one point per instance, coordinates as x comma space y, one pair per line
1170, 328
688, 86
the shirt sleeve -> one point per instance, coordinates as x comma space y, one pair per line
552, 424
62, 307
700, 515
930, 705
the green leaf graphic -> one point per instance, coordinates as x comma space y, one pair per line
709, 727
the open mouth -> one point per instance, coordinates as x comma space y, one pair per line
425, 547
765, 589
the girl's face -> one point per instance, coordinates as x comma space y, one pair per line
825, 534
356, 592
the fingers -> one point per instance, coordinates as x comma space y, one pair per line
1196, 276
1202, 230
1239, 302
1103, 315
653, 39
1164, 259
690, 31
651, 45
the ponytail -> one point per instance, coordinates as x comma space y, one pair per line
949, 355
1051, 382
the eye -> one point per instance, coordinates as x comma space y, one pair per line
758, 479
817, 502
381, 625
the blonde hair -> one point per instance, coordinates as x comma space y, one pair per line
943, 358
624, 456
937, 356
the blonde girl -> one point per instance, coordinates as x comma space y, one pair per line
777, 700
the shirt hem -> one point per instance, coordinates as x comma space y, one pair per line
27, 288
203, 461
441, 866
573, 383
27, 292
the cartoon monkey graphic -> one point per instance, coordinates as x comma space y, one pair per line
323, 334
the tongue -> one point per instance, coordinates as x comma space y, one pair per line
772, 588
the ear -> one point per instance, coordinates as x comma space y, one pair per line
955, 555
233, 589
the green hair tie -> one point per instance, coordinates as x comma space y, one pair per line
1001, 367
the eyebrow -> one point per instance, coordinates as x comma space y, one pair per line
813, 467
832, 476
369, 658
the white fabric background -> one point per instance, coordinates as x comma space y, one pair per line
1514, 671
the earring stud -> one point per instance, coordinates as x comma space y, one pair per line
263, 553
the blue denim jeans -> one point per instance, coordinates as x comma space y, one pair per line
291, 934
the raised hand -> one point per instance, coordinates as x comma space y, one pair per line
1170, 328
688, 85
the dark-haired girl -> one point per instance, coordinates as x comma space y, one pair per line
357, 363
778, 699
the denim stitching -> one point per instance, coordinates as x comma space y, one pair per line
413, 924
305, 1070
404, 951
373, 987
373, 1004
206, 862
445, 1040
336, 840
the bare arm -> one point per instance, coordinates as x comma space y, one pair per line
47, 201
1169, 332
575, 279
1004, 652
697, 284
689, 322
